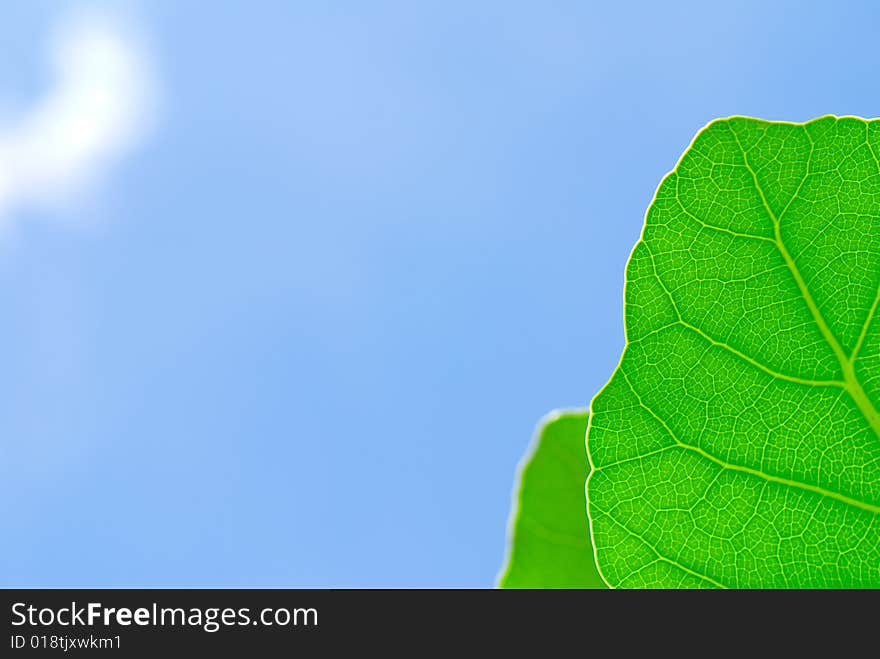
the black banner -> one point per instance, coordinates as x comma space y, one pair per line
243, 622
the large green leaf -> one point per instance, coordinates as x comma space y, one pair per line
549, 544
738, 442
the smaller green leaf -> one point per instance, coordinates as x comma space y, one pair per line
549, 535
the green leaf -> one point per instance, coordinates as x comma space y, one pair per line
738, 442
549, 538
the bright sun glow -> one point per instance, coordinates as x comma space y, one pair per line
100, 101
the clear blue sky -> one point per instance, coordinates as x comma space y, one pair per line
307, 336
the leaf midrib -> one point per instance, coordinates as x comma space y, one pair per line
851, 382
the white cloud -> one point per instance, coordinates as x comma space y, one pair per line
99, 105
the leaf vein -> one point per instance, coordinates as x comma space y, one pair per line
662, 557
726, 346
781, 480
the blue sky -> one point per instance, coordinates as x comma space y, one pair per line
300, 335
